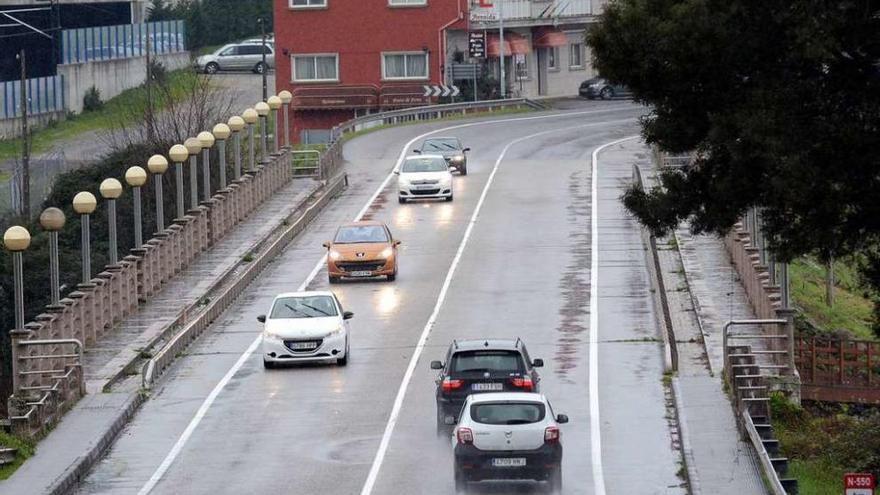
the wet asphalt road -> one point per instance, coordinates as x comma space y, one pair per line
524, 271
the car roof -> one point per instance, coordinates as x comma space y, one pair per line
363, 223
307, 293
437, 138
477, 344
425, 155
507, 396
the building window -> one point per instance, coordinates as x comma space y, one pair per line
320, 67
576, 56
410, 65
522, 66
553, 58
406, 3
307, 4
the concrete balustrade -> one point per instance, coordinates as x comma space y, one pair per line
90, 312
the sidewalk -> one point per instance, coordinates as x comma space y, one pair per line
702, 290
83, 434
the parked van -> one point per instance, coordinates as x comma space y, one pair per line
247, 55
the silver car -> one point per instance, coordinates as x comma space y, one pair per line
237, 56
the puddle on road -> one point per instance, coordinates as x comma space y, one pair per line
375, 207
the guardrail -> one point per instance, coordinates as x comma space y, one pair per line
770, 475
839, 370
306, 163
783, 359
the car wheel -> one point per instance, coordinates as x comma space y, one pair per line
344, 360
393, 276
463, 171
260, 68
441, 425
460, 481
607, 93
448, 198
332, 279
212, 68
555, 481
268, 364
401, 199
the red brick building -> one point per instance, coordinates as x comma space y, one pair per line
342, 58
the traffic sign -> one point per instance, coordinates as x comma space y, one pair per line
859, 484
441, 90
466, 72
477, 44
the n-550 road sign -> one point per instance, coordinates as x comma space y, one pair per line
859, 484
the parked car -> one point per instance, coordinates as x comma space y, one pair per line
362, 249
508, 436
237, 56
598, 87
305, 327
487, 365
424, 177
451, 149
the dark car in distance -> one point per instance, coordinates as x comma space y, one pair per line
598, 87
450, 148
481, 366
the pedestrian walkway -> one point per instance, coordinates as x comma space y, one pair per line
84, 432
703, 292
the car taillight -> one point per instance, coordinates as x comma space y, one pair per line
465, 436
524, 383
551, 434
449, 385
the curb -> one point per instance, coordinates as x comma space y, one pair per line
695, 302
684, 436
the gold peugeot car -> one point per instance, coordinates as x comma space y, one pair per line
362, 249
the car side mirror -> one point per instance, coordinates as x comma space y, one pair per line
347, 315
418, 152
538, 363
436, 365
397, 172
562, 419
326, 244
465, 150
449, 420
261, 318
397, 243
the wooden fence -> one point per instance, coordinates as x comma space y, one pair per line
839, 370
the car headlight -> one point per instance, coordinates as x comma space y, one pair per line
458, 158
334, 255
271, 336
336, 331
386, 253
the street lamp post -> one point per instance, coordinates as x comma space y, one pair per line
274, 103
250, 117
52, 220
17, 239
178, 154
157, 165
262, 109
285, 108
110, 190
193, 146
221, 133
136, 177
206, 139
84, 204
501, 47
236, 124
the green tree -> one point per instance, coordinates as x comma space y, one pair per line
780, 100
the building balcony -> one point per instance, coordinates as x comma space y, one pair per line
535, 12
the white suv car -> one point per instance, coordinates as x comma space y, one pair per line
305, 327
424, 176
510, 435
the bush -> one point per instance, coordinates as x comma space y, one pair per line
92, 100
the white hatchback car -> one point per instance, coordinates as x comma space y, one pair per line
305, 327
508, 435
424, 176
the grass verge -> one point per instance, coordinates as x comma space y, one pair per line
852, 310
116, 110
25, 450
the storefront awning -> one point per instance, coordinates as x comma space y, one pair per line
513, 44
549, 37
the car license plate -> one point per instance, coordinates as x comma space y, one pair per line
302, 345
509, 461
361, 273
486, 387
423, 187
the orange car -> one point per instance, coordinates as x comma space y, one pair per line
362, 249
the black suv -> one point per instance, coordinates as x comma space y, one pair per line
478, 366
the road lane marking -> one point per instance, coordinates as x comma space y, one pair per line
209, 400
441, 298
595, 424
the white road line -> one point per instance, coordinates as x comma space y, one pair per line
209, 400
595, 424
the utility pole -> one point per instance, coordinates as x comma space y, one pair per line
25, 148
501, 47
148, 86
262, 22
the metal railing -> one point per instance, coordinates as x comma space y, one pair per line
788, 353
121, 41
306, 163
531, 9
770, 474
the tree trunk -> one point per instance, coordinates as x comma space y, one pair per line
829, 282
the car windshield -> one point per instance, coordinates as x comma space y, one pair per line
482, 361
508, 413
303, 307
361, 233
441, 145
427, 164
